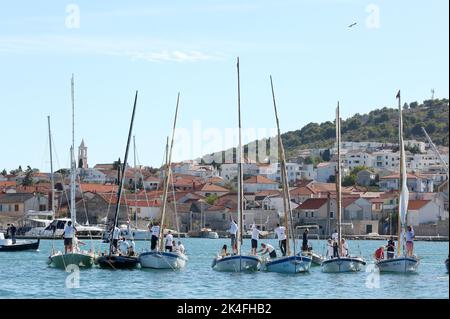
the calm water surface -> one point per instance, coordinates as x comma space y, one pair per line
27, 275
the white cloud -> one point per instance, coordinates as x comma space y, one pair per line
151, 50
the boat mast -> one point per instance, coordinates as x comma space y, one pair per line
135, 182
119, 191
73, 172
52, 179
239, 159
338, 176
284, 181
167, 178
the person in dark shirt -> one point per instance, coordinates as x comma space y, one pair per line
305, 240
390, 248
12, 232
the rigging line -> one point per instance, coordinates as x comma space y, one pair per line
142, 176
85, 211
175, 207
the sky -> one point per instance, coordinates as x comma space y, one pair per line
160, 48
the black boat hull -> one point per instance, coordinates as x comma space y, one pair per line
117, 262
21, 247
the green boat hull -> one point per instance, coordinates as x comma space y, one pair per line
64, 260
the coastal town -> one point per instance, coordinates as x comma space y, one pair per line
203, 195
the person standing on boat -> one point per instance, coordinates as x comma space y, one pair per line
281, 235
233, 232
169, 241
344, 251
268, 249
409, 241
390, 248
330, 249
69, 233
305, 240
335, 235
115, 237
12, 232
181, 248
155, 235
255, 238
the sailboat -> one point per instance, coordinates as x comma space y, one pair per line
341, 263
114, 260
76, 256
401, 263
292, 262
158, 258
238, 262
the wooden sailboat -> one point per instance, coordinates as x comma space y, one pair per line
114, 260
292, 262
238, 262
76, 256
158, 258
341, 263
401, 263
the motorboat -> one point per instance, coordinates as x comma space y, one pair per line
6, 244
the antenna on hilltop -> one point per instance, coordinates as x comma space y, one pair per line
432, 94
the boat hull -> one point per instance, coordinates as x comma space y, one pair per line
117, 262
343, 264
446, 264
398, 265
236, 263
162, 260
83, 260
316, 258
20, 245
288, 264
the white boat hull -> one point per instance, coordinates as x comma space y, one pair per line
317, 259
343, 264
162, 260
236, 263
288, 264
399, 265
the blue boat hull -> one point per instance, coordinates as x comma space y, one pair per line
236, 263
288, 264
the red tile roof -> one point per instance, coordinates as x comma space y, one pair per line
259, 180
397, 176
214, 188
302, 190
313, 203
417, 204
98, 188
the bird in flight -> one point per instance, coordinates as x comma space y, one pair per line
351, 25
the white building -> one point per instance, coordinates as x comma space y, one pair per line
325, 170
228, 171
273, 172
357, 158
415, 183
92, 175
423, 212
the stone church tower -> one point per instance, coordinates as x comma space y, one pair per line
82, 155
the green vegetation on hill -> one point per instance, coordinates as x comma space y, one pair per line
379, 125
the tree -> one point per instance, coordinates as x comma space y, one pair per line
349, 180
326, 156
414, 105
211, 199
4, 173
331, 179
28, 179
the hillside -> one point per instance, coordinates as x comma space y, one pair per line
380, 125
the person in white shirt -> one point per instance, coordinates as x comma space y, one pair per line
409, 241
181, 248
69, 233
233, 233
255, 238
335, 236
123, 246
155, 235
131, 248
169, 241
281, 235
267, 248
115, 237
330, 249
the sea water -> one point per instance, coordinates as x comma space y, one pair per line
27, 275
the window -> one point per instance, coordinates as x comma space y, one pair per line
306, 214
224, 217
42, 208
16, 207
312, 214
331, 214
